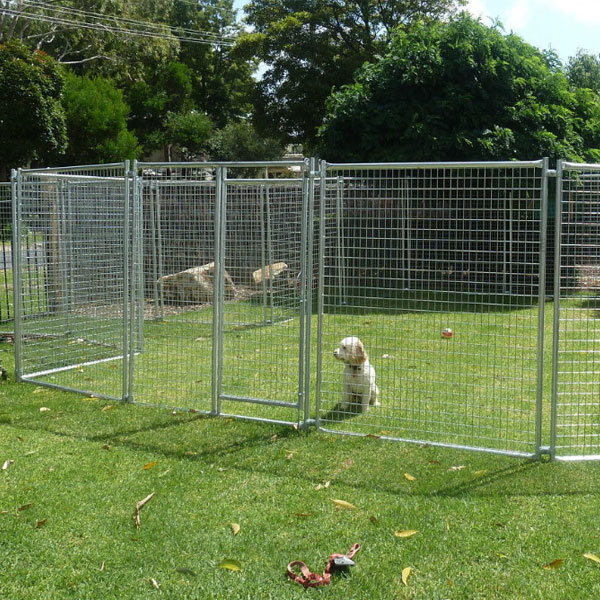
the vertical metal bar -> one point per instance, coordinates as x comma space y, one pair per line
126, 275
17, 227
263, 251
269, 253
153, 234
140, 291
541, 306
62, 257
320, 290
341, 244
161, 270
556, 314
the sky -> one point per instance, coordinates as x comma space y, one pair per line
563, 25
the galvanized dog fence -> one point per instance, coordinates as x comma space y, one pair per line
194, 286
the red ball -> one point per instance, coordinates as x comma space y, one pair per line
447, 333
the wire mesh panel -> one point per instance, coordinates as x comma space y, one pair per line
6, 278
576, 425
72, 279
178, 204
263, 254
439, 271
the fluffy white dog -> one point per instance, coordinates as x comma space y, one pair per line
359, 375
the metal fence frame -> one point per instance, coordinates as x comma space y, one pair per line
332, 244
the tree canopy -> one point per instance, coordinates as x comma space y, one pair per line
310, 46
460, 91
32, 119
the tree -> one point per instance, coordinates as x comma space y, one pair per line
188, 131
117, 38
96, 122
240, 141
583, 71
310, 46
459, 91
32, 120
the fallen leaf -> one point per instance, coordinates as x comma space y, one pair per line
344, 504
138, 506
24, 507
289, 456
480, 473
40, 524
149, 465
235, 528
410, 477
106, 447
7, 464
102, 567
154, 583
592, 557
457, 468
107, 407
405, 533
555, 564
38, 390
44, 409
20, 438
373, 436
405, 575
222, 469
373, 520
231, 565
323, 486
303, 514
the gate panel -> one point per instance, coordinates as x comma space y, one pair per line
71, 278
177, 206
260, 362
576, 389
409, 251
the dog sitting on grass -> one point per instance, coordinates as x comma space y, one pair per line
359, 385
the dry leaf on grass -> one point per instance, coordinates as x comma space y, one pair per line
323, 486
555, 564
405, 575
405, 533
149, 465
7, 464
235, 528
25, 507
231, 565
592, 557
344, 504
41, 523
457, 468
409, 477
44, 409
154, 583
138, 506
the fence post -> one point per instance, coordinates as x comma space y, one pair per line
17, 191
126, 281
541, 307
556, 314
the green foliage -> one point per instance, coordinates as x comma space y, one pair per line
189, 131
310, 46
32, 120
583, 71
240, 141
96, 122
459, 91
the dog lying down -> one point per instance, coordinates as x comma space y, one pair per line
359, 385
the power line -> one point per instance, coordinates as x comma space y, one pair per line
108, 24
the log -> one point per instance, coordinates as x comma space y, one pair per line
268, 272
194, 285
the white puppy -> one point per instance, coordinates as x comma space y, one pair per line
359, 375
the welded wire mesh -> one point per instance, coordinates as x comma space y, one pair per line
410, 252
262, 252
73, 277
577, 327
6, 279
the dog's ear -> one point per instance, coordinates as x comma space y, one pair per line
360, 356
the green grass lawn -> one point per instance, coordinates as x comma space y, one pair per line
486, 525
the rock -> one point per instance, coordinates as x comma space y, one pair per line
194, 285
269, 272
